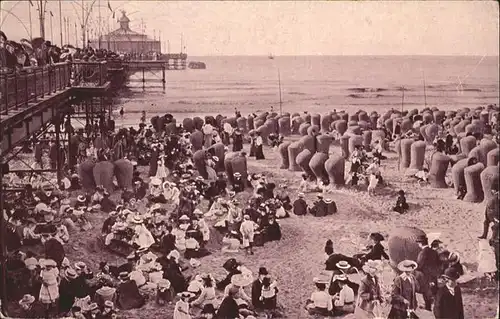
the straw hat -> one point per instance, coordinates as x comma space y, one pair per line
106, 291
124, 275
342, 278
343, 265
240, 280
369, 269
184, 218
328, 201
81, 199
407, 265
50, 263
301, 195
215, 158
137, 220
163, 284
71, 273
109, 304
142, 250
80, 265
27, 300
237, 174
155, 181
93, 306
31, 263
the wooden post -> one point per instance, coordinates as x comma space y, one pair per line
164, 81
57, 123
143, 80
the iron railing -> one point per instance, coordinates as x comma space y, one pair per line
89, 73
28, 85
19, 88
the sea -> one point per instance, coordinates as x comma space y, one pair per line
314, 84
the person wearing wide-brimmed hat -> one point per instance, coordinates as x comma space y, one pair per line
108, 310
403, 295
319, 207
320, 301
142, 235
369, 293
300, 205
30, 308
449, 304
239, 281
69, 288
229, 307
374, 251
181, 310
128, 293
343, 301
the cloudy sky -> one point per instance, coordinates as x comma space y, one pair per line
284, 27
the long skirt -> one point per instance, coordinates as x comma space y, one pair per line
259, 153
49, 294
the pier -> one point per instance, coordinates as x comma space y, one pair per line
34, 99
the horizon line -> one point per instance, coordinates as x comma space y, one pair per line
345, 55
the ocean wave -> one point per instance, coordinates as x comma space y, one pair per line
363, 96
366, 90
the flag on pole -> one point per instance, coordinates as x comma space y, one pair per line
30, 2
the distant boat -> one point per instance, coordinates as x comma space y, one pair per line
271, 57
197, 65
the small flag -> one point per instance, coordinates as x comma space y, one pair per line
109, 7
51, 14
31, 2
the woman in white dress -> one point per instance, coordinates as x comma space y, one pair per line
181, 310
161, 171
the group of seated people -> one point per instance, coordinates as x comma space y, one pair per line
319, 208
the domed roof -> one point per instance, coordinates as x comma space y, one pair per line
124, 18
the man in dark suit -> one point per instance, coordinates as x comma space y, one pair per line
257, 288
449, 303
319, 208
300, 205
429, 266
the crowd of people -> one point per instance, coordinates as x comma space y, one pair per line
17, 56
161, 226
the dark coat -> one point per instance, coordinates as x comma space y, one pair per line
448, 306
256, 292
319, 209
376, 253
404, 289
331, 208
368, 292
129, 296
299, 207
429, 264
228, 309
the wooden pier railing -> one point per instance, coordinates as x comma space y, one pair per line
21, 87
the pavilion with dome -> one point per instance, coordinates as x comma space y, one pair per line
124, 40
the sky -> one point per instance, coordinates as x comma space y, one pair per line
281, 27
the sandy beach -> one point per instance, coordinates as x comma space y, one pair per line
299, 256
